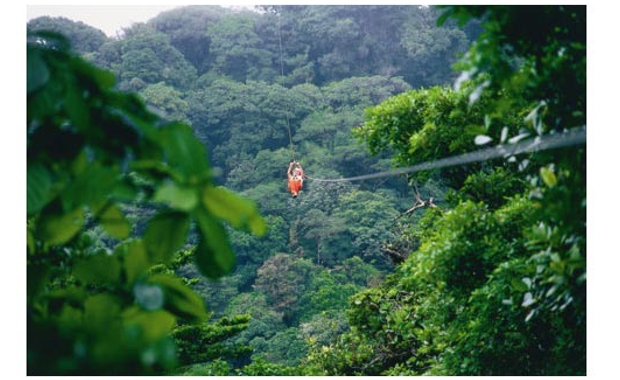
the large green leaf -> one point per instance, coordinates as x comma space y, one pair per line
113, 221
238, 211
214, 256
56, 229
165, 233
90, 187
179, 197
136, 261
100, 269
179, 298
185, 153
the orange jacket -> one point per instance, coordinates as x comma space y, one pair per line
295, 178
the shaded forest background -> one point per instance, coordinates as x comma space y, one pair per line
487, 278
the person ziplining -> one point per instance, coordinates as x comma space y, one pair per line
295, 175
574, 136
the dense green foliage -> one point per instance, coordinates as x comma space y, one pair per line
497, 286
92, 149
142, 261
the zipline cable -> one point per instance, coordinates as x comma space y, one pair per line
576, 136
288, 124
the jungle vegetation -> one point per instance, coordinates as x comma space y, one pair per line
161, 239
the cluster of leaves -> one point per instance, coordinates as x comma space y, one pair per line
92, 149
429, 124
497, 284
545, 65
465, 304
545, 62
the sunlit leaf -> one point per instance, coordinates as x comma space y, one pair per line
165, 233
136, 260
60, 228
179, 197
238, 211
548, 176
114, 222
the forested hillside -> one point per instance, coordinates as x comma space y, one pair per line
162, 238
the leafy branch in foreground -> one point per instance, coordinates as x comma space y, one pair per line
91, 151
